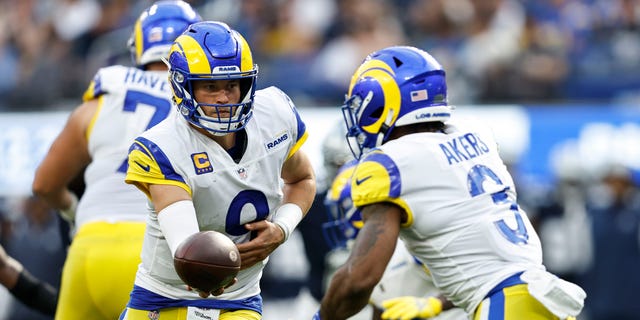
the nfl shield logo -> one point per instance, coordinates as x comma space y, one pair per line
154, 315
242, 172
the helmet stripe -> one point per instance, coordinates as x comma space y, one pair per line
246, 62
364, 67
194, 53
137, 32
391, 99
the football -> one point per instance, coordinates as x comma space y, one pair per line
207, 261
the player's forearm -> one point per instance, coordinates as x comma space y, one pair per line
62, 200
345, 297
26, 288
299, 181
301, 193
298, 197
9, 272
59, 198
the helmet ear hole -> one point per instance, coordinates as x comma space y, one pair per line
377, 113
178, 77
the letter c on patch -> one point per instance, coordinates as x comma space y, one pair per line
201, 163
201, 160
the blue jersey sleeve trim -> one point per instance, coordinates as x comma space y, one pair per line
392, 169
302, 128
143, 299
154, 152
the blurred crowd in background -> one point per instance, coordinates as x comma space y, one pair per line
495, 51
542, 52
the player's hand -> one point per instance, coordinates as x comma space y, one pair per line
268, 236
205, 294
4, 258
10, 269
407, 308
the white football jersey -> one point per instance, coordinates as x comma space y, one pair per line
463, 220
226, 194
131, 100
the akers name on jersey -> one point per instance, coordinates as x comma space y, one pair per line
464, 147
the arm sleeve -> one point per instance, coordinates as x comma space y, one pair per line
35, 294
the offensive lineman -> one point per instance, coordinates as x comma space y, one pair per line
120, 103
442, 188
227, 160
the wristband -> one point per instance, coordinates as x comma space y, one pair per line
69, 213
177, 222
287, 218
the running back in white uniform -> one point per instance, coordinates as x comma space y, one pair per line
453, 196
225, 194
131, 101
404, 274
458, 196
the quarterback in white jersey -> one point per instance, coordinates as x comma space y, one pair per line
227, 160
120, 103
442, 188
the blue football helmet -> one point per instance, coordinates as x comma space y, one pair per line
345, 220
393, 87
156, 29
212, 51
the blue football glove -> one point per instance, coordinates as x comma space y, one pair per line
316, 316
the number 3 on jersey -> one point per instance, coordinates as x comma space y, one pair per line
475, 180
134, 98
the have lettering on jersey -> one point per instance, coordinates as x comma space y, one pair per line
152, 80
